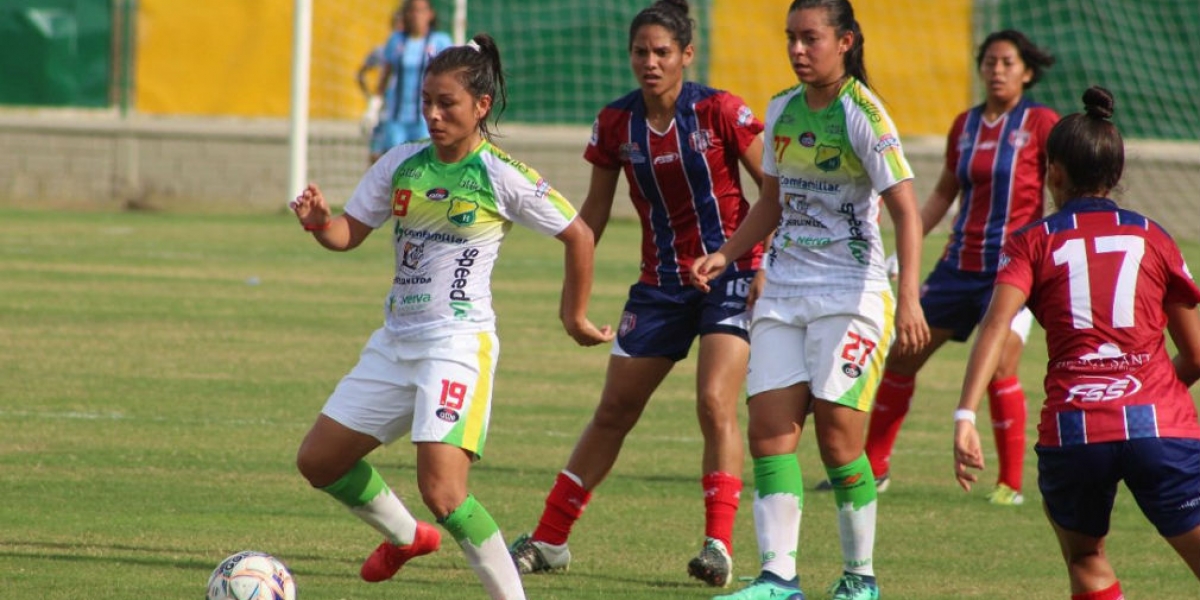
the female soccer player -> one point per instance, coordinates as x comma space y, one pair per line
679, 144
428, 371
1103, 281
996, 159
825, 318
406, 57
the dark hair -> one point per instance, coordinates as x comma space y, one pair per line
672, 15
1088, 146
1035, 59
477, 66
407, 3
841, 16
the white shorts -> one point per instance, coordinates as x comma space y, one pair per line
438, 390
1021, 323
836, 343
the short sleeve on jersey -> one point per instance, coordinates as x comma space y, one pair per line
371, 202
737, 121
525, 197
1016, 264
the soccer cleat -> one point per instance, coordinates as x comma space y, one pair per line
851, 586
881, 484
1005, 496
532, 556
767, 586
388, 557
713, 565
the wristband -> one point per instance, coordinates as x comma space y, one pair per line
321, 227
963, 414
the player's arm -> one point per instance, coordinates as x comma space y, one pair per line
751, 160
1007, 300
339, 233
597, 206
912, 333
939, 201
1183, 323
577, 285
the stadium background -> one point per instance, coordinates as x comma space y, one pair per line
162, 102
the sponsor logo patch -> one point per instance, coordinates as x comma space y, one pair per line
808, 139
447, 415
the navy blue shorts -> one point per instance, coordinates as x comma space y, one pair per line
956, 300
1079, 483
663, 321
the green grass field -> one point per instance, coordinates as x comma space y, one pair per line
159, 370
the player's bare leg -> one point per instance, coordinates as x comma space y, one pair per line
1087, 562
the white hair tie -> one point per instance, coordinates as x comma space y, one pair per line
472, 45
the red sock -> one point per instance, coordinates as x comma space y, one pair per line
1112, 592
721, 494
891, 405
564, 506
1006, 402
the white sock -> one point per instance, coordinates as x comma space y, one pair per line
777, 525
494, 567
388, 516
857, 529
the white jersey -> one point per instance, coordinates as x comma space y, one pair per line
450, 220
831, 165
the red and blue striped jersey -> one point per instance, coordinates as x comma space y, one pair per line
1098, 278
1001, 168
684, 182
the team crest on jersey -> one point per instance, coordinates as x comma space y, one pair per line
808, 139
744, 116
632, 153
1019, 138
829, 158
964, 142
462, 211
700, 140
595, 139
628, 323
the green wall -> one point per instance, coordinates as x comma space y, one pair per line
55, 52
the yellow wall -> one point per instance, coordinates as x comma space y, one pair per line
233, 57
918, 54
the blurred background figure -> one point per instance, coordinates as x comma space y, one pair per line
406, 54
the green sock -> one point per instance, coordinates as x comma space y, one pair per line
480, 539
358, 486
855, 495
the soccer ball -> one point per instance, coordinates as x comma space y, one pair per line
251, 575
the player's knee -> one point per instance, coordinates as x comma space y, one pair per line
616, 416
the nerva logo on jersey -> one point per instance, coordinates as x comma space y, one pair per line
462, 211
829, 158
460, 302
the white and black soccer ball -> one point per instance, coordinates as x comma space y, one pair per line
250, 575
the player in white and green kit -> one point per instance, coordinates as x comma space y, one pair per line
429, 370
827, 316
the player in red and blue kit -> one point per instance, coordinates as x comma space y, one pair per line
1103, 282
995, 165
679, 144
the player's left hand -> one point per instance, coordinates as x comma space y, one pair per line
967, 453
311, 208
586, 334
912, 332
756, 287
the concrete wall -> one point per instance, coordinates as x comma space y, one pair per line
102, 161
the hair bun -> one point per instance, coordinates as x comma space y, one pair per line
1098, 102
679, 5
